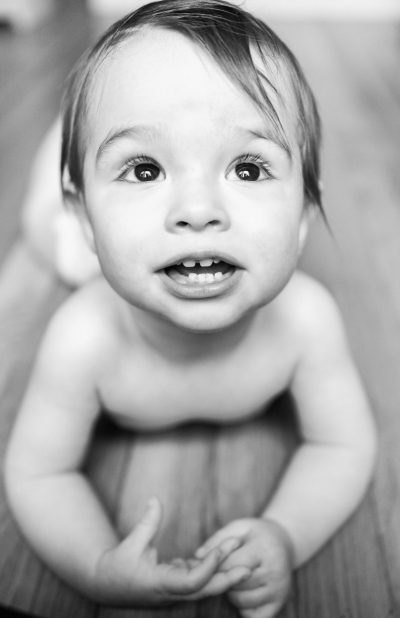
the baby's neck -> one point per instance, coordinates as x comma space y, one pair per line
178, 344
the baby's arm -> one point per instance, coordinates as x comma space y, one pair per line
331, 470
325, 479
56, 507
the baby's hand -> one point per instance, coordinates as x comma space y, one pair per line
130, 575
265, 549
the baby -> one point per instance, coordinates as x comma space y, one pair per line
190, 156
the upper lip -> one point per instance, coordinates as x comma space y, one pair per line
201, 255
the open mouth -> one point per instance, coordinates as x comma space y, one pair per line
206, 271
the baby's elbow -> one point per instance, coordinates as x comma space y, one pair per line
9, 464
366, 452
11, 475
371, 449
15, 474
11, 485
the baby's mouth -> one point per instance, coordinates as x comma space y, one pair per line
206, 271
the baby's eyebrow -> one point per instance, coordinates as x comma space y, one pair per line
132, 132
270, 137
152, 132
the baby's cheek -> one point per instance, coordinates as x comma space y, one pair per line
278, 243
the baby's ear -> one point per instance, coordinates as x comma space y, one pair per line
310, 211
74, 202
307, 217
86, 226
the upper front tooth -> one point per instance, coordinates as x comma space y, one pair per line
189, 263
206, 262
216, 261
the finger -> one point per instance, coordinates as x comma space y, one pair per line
233, 530
249, 599
220, 583
251, 583
179, 562
146, 529
227, 547
241, 557
187, 581
258, 578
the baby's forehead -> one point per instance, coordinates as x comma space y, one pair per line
157, 63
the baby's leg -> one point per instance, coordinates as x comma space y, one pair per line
51, 230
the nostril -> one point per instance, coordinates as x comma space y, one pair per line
214, 223
182, 223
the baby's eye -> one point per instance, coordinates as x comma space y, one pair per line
141, 169
146, 171
247, 171
250, 168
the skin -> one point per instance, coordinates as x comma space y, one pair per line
125, 342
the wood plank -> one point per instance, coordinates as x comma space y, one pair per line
33, 69
364, 215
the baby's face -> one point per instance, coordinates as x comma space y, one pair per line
197, 213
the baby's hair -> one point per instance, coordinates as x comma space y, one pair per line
235, 40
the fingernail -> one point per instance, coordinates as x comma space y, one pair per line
233, 544
245, 576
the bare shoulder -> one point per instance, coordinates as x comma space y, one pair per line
330, 397
325, 366
311, 297
82, 332
312, 311
61, 402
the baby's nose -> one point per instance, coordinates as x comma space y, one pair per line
197, 211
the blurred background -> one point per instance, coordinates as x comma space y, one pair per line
350, 52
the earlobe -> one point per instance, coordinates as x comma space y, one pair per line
86, 226
307, 218
75, 204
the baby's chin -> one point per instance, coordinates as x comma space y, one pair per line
207, 320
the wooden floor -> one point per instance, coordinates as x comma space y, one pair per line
206, 475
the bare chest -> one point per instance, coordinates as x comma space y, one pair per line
152, 396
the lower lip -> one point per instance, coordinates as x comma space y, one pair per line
199, 291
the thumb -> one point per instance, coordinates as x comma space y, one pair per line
148, 526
